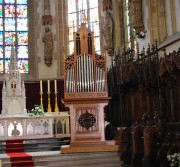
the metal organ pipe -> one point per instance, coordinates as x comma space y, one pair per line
82, 76
67, 81
92, 75
86, 77
77, 76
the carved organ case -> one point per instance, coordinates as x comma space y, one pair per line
86, 89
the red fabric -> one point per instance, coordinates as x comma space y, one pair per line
15, 150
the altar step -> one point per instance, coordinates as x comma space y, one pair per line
56, 159
37, 145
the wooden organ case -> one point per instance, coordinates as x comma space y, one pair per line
86, 90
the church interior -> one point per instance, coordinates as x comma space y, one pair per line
90, 82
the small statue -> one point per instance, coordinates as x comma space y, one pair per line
15, 131
48, 46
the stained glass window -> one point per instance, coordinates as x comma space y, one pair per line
83, 11
14, 30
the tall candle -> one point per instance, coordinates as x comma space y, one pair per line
48, 85
55, 86
41, 86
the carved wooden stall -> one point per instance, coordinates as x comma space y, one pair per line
145, 99
85, 91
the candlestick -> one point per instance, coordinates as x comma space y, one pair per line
41, 99
41, 86
56, 109
49, 103
55, 86
48, 85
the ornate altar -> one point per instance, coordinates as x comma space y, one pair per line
86, 90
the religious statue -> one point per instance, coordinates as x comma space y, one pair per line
107, 31
15, 131
48, 46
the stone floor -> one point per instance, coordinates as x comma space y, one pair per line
57, 159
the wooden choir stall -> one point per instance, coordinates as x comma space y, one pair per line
86, 93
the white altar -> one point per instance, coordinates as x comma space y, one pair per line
15, 122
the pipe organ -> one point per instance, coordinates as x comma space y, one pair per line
85, 94
85, 71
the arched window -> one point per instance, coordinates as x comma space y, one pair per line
83, 11
13, 29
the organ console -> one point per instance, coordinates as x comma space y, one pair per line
86, 94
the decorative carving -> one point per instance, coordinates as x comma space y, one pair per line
85, 95
70, 62
87, 120
107, 5
102, 94
46, 20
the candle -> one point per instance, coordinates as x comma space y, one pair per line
41, 86
48, 85
55, 86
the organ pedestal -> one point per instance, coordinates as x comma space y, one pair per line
86, 90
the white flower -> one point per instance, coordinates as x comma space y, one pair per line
174, 159
37, 111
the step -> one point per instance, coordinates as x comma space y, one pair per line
32, 145
71, 157
56, 159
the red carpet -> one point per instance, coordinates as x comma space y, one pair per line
15, 150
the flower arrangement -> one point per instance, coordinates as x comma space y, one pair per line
174, 159
37, 111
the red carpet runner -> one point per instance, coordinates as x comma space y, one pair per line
15, 150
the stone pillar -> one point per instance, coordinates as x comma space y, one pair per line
158, 21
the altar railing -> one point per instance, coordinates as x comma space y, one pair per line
51, 125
